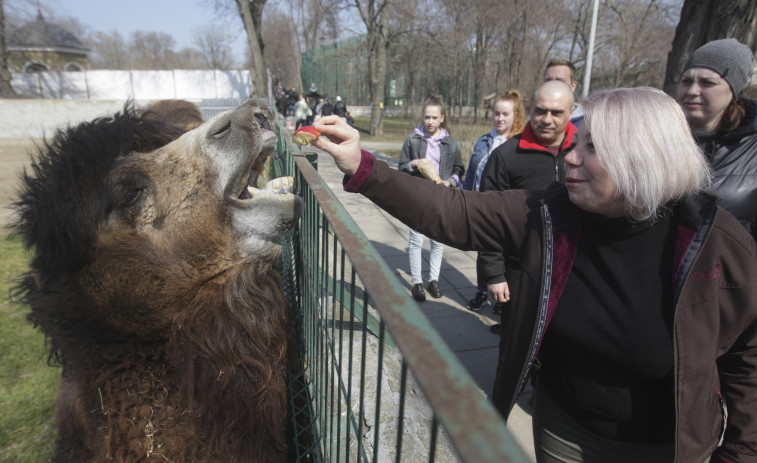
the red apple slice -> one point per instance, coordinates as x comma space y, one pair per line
305, 135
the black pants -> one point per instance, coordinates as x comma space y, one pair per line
481, 280
560, 439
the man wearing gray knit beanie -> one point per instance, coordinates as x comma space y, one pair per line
724, 123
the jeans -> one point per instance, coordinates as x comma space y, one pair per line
435, 259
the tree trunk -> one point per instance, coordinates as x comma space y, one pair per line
6, 91
377, 70
478, 72
516, 37
252, 15
453, 93
703, 21
485, 36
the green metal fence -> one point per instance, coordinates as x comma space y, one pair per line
375, 382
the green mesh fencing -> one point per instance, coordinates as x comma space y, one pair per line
341, 68
374, 382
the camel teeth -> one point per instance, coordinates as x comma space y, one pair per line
280, 185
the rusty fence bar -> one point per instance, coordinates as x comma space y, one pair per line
375, 382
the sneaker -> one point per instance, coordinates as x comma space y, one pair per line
433, 289
476, 303
418, 293
497, 309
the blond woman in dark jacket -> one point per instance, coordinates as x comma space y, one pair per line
637, 301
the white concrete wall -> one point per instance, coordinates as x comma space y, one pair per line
138, 85
33, 118
38, 118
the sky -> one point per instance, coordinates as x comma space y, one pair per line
177, 18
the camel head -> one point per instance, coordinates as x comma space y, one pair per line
131, 219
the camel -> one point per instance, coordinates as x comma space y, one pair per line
181, 113
154, 280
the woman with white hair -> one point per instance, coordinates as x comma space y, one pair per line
636, 311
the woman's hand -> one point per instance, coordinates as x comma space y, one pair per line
341, 141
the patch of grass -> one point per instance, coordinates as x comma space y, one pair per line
395, 129
28, 386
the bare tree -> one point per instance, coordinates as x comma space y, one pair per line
580, 14
409, 40
454, 38
152, 50
251, 13
486, 32
634, 38
143, 50
312, 23
316, 21
6, 90
109, 51
192, 58
534, 31
510, 61
375, 16
214, 45
706, 20
282, 52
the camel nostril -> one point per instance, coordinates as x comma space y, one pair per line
263, 121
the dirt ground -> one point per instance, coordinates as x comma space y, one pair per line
14, 155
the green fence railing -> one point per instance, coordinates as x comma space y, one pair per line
375, 382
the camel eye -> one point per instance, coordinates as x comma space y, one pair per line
125, 191
131, 195
222, 132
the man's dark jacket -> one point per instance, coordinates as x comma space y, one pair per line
521, 163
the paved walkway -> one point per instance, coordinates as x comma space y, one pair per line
467, 333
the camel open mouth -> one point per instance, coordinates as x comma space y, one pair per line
277, 186
257, 172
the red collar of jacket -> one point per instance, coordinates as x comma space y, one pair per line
528, 139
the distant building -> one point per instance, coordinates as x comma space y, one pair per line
42, 46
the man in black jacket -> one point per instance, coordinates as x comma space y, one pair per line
340, 109
531, 160
326, 109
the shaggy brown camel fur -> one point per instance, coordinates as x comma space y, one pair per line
154, 280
